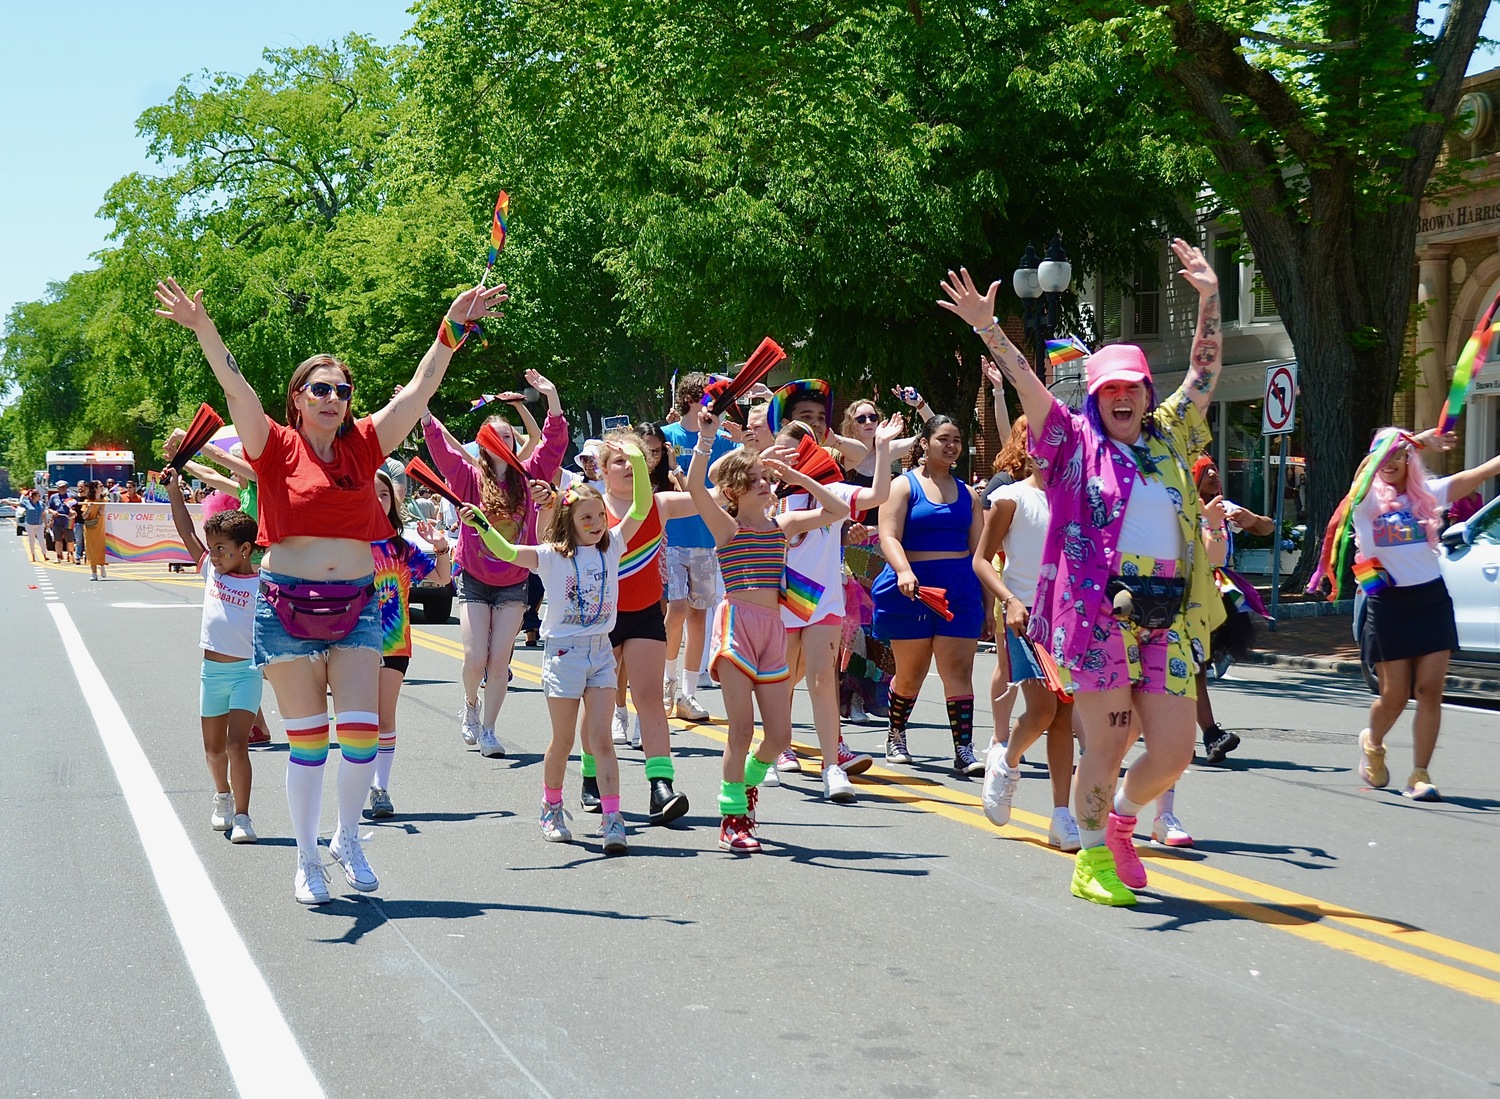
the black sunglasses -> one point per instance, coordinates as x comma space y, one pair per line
323, 390
867, 418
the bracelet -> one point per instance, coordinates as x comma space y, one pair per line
1216, 530
992, 327
709, 453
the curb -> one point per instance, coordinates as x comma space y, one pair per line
1457, 684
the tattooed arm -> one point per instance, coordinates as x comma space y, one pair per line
1208, 343
965, 300
244, 405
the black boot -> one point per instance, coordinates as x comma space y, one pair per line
666, 804
589, 799
1218, 742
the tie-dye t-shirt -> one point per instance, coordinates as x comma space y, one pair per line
395, 572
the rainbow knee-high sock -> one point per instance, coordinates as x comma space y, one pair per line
961, 719
307, 737
899, 708
385, 755
359, 733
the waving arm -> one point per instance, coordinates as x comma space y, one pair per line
978, 310
1208, 345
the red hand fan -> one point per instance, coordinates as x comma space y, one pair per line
815, 462
937, 599
423, 474
204, 424
760, 363
490, 439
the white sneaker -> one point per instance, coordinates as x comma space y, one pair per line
668, 694
310, 886
469, 728
689, 709
999, 785
771, 779
612, 829
1168, 831
836, 785
489, 746
243, 831
619, 728
222, 817
634, 740
1062, 833
350, 854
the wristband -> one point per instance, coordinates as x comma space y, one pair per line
452, 335
709, 453
992, 327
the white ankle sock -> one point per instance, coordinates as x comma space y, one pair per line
690, 683
1166, 802
1124, 806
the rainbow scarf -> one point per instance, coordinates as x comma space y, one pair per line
800, 594
1338, 539
1371, 576
1475, 354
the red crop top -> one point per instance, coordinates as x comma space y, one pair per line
303, 496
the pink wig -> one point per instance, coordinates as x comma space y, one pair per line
217, 501
1424, 505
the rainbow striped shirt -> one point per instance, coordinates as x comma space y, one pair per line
753, 559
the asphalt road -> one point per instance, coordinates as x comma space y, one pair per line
1321, 939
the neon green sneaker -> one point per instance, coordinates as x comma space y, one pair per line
1094, 878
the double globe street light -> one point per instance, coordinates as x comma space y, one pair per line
1040, 285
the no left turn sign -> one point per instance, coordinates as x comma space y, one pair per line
1278, 415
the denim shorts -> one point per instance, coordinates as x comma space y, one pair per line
692, 574
572, 665
273, 644
471, 590
229, 685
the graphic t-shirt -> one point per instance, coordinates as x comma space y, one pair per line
395, 573
583, 591
228, 612
814, 560
1396, 539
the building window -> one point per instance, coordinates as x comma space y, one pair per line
1262, 304
1111, 301
1226, 261
1145, 296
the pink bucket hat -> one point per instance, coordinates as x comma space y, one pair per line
1119, 362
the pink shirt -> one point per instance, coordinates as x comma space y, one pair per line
1088, 487
463, 479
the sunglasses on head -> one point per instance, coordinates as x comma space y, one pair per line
867, 418
323, 390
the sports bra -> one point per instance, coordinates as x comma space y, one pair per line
753, 559
936, 528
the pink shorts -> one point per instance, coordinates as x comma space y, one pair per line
1120, 654
751, 638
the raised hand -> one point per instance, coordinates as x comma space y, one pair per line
510, 396
707, 423
888, 431
907, 394
965, 300
988, 368
781, 471
1195, 267
1213, 511
174, 440
178, 306
540, 384
477, 304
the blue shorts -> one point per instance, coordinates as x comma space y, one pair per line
273, 644
1023, 665
898, 618
225, 686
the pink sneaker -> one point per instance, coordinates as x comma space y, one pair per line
851, 762
1119, 837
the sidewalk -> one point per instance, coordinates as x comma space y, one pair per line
1326, 643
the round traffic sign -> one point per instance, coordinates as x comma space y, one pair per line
1281, 397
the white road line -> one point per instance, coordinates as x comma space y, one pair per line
264, 1058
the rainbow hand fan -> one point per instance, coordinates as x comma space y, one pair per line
423, 474
757, 366
204, 424
1475, 354
815, 462
937, 599
490, 439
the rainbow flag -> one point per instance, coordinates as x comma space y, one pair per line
1065, 351
1370, 575
497, 227
1475, 353
800, 594
482, 400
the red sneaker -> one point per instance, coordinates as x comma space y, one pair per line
752, 799
735, 835
259, 738
853, 763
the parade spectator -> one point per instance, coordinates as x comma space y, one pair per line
91, 529
33, 514
60, 510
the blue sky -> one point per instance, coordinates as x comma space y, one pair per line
74, 79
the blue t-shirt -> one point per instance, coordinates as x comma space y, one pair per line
691, 531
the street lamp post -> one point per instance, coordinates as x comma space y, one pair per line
1040, 285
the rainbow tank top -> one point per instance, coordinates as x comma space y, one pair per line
640, 574
753, 559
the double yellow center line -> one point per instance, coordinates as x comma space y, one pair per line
1396, 945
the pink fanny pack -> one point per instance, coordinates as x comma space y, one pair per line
313, 611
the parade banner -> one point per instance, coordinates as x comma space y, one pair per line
145, 532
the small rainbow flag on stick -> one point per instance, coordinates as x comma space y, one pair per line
497, 229
1065, 351
1475, 354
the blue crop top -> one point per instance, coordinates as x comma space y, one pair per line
936, 528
